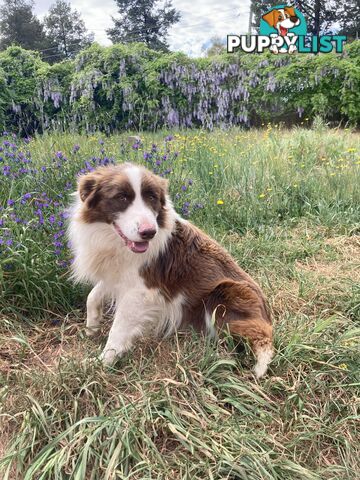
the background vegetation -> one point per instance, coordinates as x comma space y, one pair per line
132, 87
286, 205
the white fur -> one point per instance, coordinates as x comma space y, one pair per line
287, 22
103, 259
138, 213
263, 357
209, 324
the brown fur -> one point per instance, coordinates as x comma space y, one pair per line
191, 265
197, 267
275, 16
107, 191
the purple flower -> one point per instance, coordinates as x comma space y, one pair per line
9, 242
76, 148
52, 218
43, 169
25, 197
10, 202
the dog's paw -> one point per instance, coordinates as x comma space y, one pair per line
92, 331
108, 357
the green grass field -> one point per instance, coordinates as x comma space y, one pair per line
286, 204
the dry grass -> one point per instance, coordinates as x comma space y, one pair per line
304, 412
189, 408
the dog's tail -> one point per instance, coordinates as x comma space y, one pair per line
241, 307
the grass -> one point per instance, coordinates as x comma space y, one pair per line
286, 205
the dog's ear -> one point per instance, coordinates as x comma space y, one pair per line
271, 18
290, 11
164, 190
86, 186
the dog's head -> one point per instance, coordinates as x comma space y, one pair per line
282, 19
129, 198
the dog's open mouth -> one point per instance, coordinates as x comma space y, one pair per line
283, 31
136, 247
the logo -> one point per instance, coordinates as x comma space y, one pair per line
283, 29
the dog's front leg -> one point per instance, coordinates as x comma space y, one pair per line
94, 309
136, 309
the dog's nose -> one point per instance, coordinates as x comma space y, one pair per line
294, 19
147, 233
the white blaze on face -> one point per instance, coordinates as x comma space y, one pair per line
138, 216
286, 22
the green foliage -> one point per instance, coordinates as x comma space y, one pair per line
133, 87
265, 179
21, 68
66, 32
146, 21
350, 18
19, 26
285, 203
4, 98
321, 15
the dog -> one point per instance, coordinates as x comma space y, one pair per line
160, 270
283, 20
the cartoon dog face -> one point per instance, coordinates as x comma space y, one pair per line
282, 19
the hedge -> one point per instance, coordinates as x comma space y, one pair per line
132, 87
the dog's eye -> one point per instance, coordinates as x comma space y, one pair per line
122, 197
151, 196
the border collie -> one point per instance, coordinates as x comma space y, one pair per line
158, 269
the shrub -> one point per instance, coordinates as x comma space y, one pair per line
132, 87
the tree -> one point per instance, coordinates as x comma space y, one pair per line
321, 15
19, 26
350, 19
143, 21
216, 46
66, 32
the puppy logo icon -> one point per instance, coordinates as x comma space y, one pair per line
283, 23
283, 30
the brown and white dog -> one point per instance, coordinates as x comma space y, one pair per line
282, 19
158, 269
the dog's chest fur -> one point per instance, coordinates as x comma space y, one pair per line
100, 256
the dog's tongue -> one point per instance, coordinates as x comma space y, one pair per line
138, 247
283, 31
